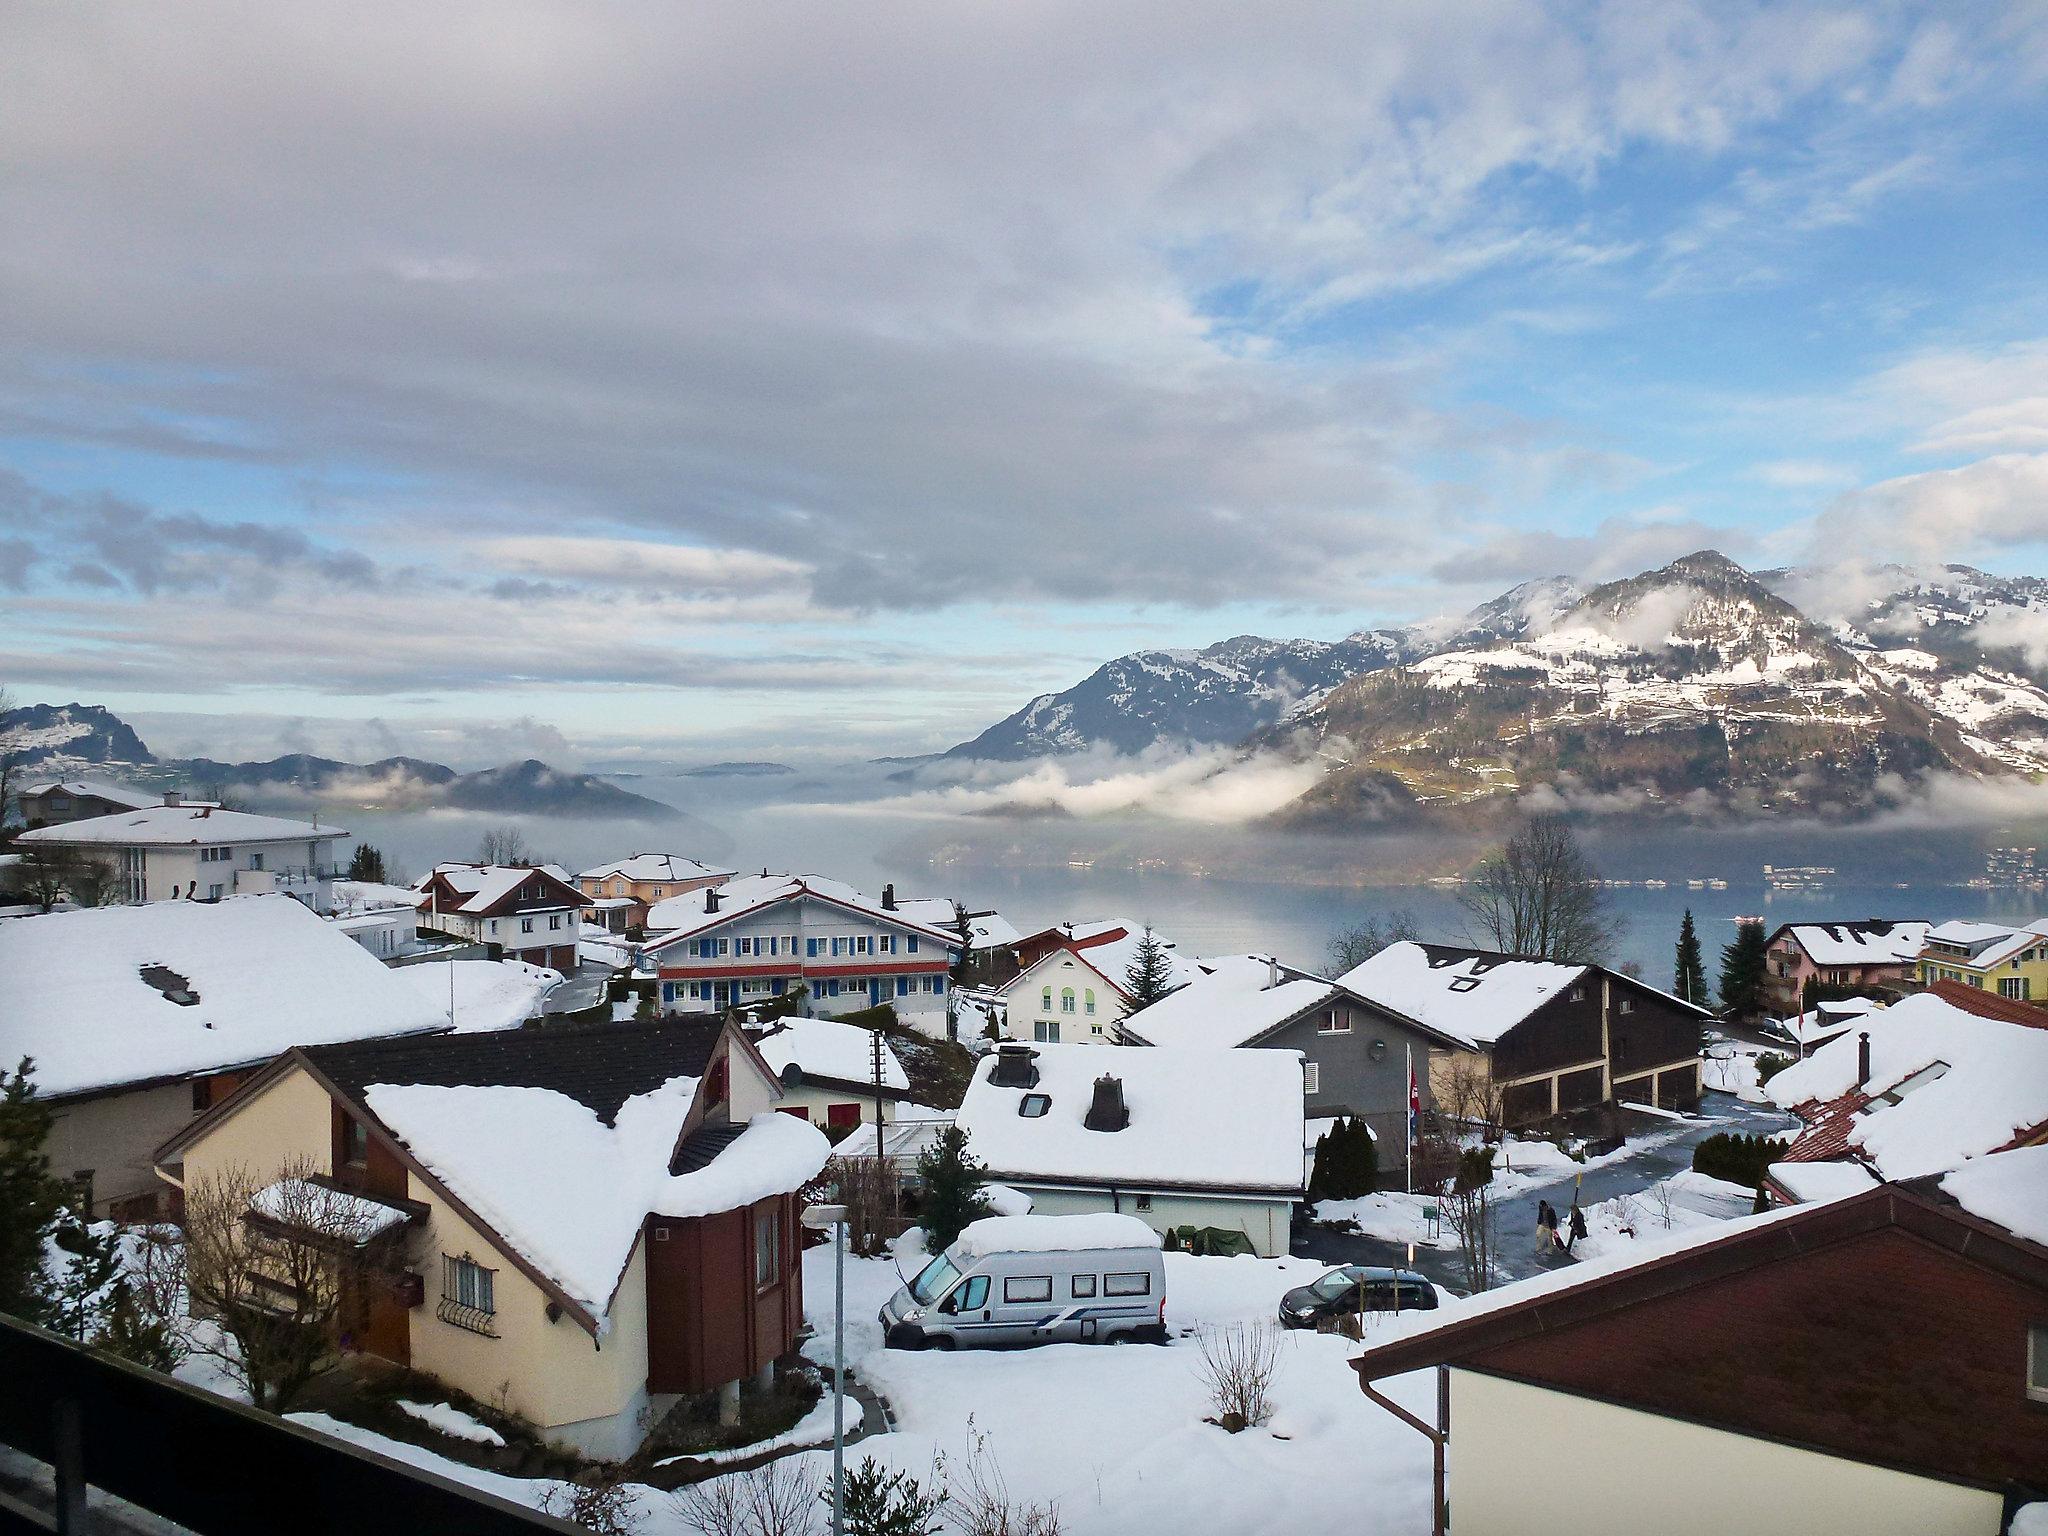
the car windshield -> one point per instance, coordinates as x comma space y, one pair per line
934, 1280
1336, 1283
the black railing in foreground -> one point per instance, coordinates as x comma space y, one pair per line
215, 1467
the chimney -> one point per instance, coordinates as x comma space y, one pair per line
1014, 1066
889, 897
710, 900
174, 798
1863, 1058
1107, 1112
1272, 971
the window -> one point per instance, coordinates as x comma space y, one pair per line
910, 943
2014, 987
1046, 1031
746, 946
1088, 1004
468, 1294
526, 925
811, 949
2037, 1362
1027, 1288
81, 1185
1578, 994
215, 892
555, 921
1628, 1005
863, 945
847, 1115
1144, 1202
1335, 1021
887, 943
1311, 1077
1066, 999
767, 1247
724, 948
1045, 999
974, 1294
255, 861
1465, 984
1138, 1284
355, 1142
1034, 1105
1083, 1287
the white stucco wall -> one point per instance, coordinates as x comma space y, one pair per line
1029, 1009
116, 1136
1265, 1222
1525, 1461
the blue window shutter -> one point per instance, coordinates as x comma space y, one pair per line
938, 983
902, 986
811, 948
913, 944
777, 986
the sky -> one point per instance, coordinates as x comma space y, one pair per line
614, 382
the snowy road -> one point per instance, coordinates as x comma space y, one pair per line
1657, 1156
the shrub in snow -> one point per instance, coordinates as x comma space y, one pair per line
979, 1501
880, 1502
952, 1180
1347, 1163
1769, 1065
1737, 1159
1238, 1365
777, 1498
29, 1197
599, 1500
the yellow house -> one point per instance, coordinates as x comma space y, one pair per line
618, 895
597, 1219
1996, 957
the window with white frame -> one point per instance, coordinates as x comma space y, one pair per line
1046, 1031
767, 1246
1066, 999
1088, 1002
1335, 1021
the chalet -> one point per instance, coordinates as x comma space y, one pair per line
1176, 1138
1837, 958
528, 913
1918, 1088
139, 1018
1550, 1038
1994, 957
764, 936
991, 938
829, 1071
1073, 982
52, 805
617, 896
1873, 1365
201, 852
1825, 1020
599, 1219
1356, 1054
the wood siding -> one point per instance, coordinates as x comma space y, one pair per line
707, 1322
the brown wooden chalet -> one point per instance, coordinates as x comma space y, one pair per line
521, 911
1870, 1365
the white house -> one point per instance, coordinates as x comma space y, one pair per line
1176, 1138
531, 914
827, 1070
765, 935
1072, 987
182, 852
140, 1017
384, 919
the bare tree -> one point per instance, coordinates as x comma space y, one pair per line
1360, 942
1238, 1366
869, 1189
599, 1499
274, 1263
777, 1498
1467, 1091
505, 845
1663, 1205
979, 1501
1536, 895
50, 873
1467, 1205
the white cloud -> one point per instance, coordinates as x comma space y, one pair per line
1211, 786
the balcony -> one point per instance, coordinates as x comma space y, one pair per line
310, 883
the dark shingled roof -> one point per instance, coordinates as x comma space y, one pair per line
598, 1065
702, 1145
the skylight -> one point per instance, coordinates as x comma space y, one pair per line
171, 984
1033, 1106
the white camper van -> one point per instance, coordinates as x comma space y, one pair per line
1035, 1280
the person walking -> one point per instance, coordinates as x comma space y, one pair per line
1578, 1226
1546, 1226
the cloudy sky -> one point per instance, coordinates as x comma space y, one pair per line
803, 379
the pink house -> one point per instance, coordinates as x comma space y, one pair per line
1859, 955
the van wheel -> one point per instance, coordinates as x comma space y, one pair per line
1118, 1338
941, 1342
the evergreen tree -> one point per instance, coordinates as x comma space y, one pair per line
1319, 1170
1744, 965
84, 1297
1149, 976
367, 863
1690, 980
952, 1178
29, 1197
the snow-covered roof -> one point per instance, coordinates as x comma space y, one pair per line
828, 1048
1082, 1232
1826, 1020
1470, 995
655, 867
679, 917
2009, 1188
169, 826
267, 973
1110, 944
1988, 943
1235, 1002
98, 789
1874, 941
1945, 1086
570, 1193
488, 994
989, 930
1811, 1183
483, 886
334, 1213
1206, 1119
372, 896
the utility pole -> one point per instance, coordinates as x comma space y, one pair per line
875, 1060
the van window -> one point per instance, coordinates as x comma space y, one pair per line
974, 1294
934, 1281
1028, 1288
1084, 1285
1139, 1284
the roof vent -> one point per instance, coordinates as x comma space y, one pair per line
1016, 1067
1107, 1112
171, 984
889, 897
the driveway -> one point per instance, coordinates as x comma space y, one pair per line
1658, 1152
583, 990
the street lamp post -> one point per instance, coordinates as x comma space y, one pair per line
819, 1217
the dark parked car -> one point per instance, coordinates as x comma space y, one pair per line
1356, 1288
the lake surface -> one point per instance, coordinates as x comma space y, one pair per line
1224, 890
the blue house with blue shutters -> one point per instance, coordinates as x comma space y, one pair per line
761, 937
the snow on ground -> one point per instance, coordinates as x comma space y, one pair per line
520, 1490
1729, 1066
1677, 1204
489, 994
452, 1421
1390, 1215
814, 1428
604, 947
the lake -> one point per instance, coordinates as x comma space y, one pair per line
1219, 890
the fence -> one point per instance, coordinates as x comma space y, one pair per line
215, 1467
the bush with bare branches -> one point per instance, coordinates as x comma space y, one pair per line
1238, 1365
979, 1501
777, 1498
599, 1499
868, 1188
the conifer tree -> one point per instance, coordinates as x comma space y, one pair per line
29, 1197
367, 864
1744, 965
952, 1178
1690, 979
1149, 977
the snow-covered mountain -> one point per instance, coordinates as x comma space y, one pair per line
1693, 687
1226, 692
59, 739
